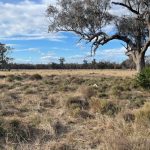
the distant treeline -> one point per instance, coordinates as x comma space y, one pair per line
127, 64
100, 65
95, 65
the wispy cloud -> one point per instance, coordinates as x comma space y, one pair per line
20, 60
50, 56
26, 21
12, 45
27, 50
113, 55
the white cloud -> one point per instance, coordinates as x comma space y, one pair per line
47, 2
113, 51
25, 21
27, 49
12, 45
112, 55
47, 57
20, 60
118, 10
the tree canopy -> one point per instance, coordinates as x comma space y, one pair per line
89, 19
4, 58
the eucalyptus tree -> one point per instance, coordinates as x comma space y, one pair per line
62, 60
4, 58
90, 18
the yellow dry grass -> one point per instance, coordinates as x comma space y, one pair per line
73, 110
87, 72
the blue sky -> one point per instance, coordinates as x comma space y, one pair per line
25, 28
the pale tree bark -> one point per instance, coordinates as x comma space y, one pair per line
139, 60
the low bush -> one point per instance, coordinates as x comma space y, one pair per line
143, 78
77, 102
36, 77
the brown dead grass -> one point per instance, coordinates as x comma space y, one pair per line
73, 110
78, 72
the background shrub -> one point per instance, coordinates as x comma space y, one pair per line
143, 78
36, 77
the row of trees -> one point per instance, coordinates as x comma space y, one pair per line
127, 64
85, 65
6, 63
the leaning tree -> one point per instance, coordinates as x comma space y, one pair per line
90, 18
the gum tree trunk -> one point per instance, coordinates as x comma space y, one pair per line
140, 62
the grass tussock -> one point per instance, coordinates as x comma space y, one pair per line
143, 114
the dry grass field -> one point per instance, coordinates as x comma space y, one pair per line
105, 72
73, 110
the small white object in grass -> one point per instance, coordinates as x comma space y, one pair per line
95, 85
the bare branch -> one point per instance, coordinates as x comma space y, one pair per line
113, 37
128, 7
147, 44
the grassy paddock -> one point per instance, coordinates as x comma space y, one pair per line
105, 72
73, 110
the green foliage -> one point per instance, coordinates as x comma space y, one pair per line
143, 78
61, 60
4, 57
